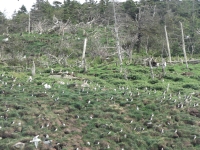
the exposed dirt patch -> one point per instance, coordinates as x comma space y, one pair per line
187, 73
194, 112
117, 107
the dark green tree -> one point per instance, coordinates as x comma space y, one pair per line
102, 6
22, 10
42, 10
3, 22
71, 11
47, 9
57, 4
130, 8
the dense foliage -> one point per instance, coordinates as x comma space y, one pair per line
141, 24
50, 91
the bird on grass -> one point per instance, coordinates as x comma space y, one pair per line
48, 142
47, 86
162, 131
108, 146
36, 140
5, 40
195, 137
30, 78
175, 131
88, 143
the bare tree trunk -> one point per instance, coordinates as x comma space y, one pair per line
151, 68
139, 34
163, 61
130, 55
7, 31
33, 69
183, 44
154, 11
29, 22
192, 51
117, 36
83, 63
147, 44
163, 67
168, 48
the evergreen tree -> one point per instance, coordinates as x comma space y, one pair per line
102, 6
3, 22
57, 4
70, 11
22, 10
130, 8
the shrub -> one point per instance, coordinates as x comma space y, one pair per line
153, 81
191, 86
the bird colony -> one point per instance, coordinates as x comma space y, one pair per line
45, 113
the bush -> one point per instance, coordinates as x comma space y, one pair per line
153, 81
191, 86
134, 77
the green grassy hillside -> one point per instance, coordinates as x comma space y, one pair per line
101, 109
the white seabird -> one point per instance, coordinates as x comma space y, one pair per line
36, 140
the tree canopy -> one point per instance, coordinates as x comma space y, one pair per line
140, 23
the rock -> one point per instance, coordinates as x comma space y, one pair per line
19, 145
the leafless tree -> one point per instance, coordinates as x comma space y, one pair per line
183, 44
117, 37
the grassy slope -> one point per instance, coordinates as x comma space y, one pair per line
83, 115
115, 123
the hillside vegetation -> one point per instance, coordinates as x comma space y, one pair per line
49, 92
101, 109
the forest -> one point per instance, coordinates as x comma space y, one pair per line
140, 25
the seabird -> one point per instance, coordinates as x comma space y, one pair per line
36, 140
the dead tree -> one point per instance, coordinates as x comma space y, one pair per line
164, 64
151, 62
151, 68
117, 37
29, 23
33, 69
83, 63
168, 48
183, 44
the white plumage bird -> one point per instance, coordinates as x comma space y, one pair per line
36, 140
47, 86
5, 40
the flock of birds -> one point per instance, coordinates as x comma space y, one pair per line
131, 97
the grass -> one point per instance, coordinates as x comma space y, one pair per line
104, 113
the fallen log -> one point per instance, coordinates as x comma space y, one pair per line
188, 61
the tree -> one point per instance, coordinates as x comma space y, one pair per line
57, 4
22, 10
130, 8
117, 36
3, 22
70, 11
47, 9
19, 22
42, 10
102, 6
